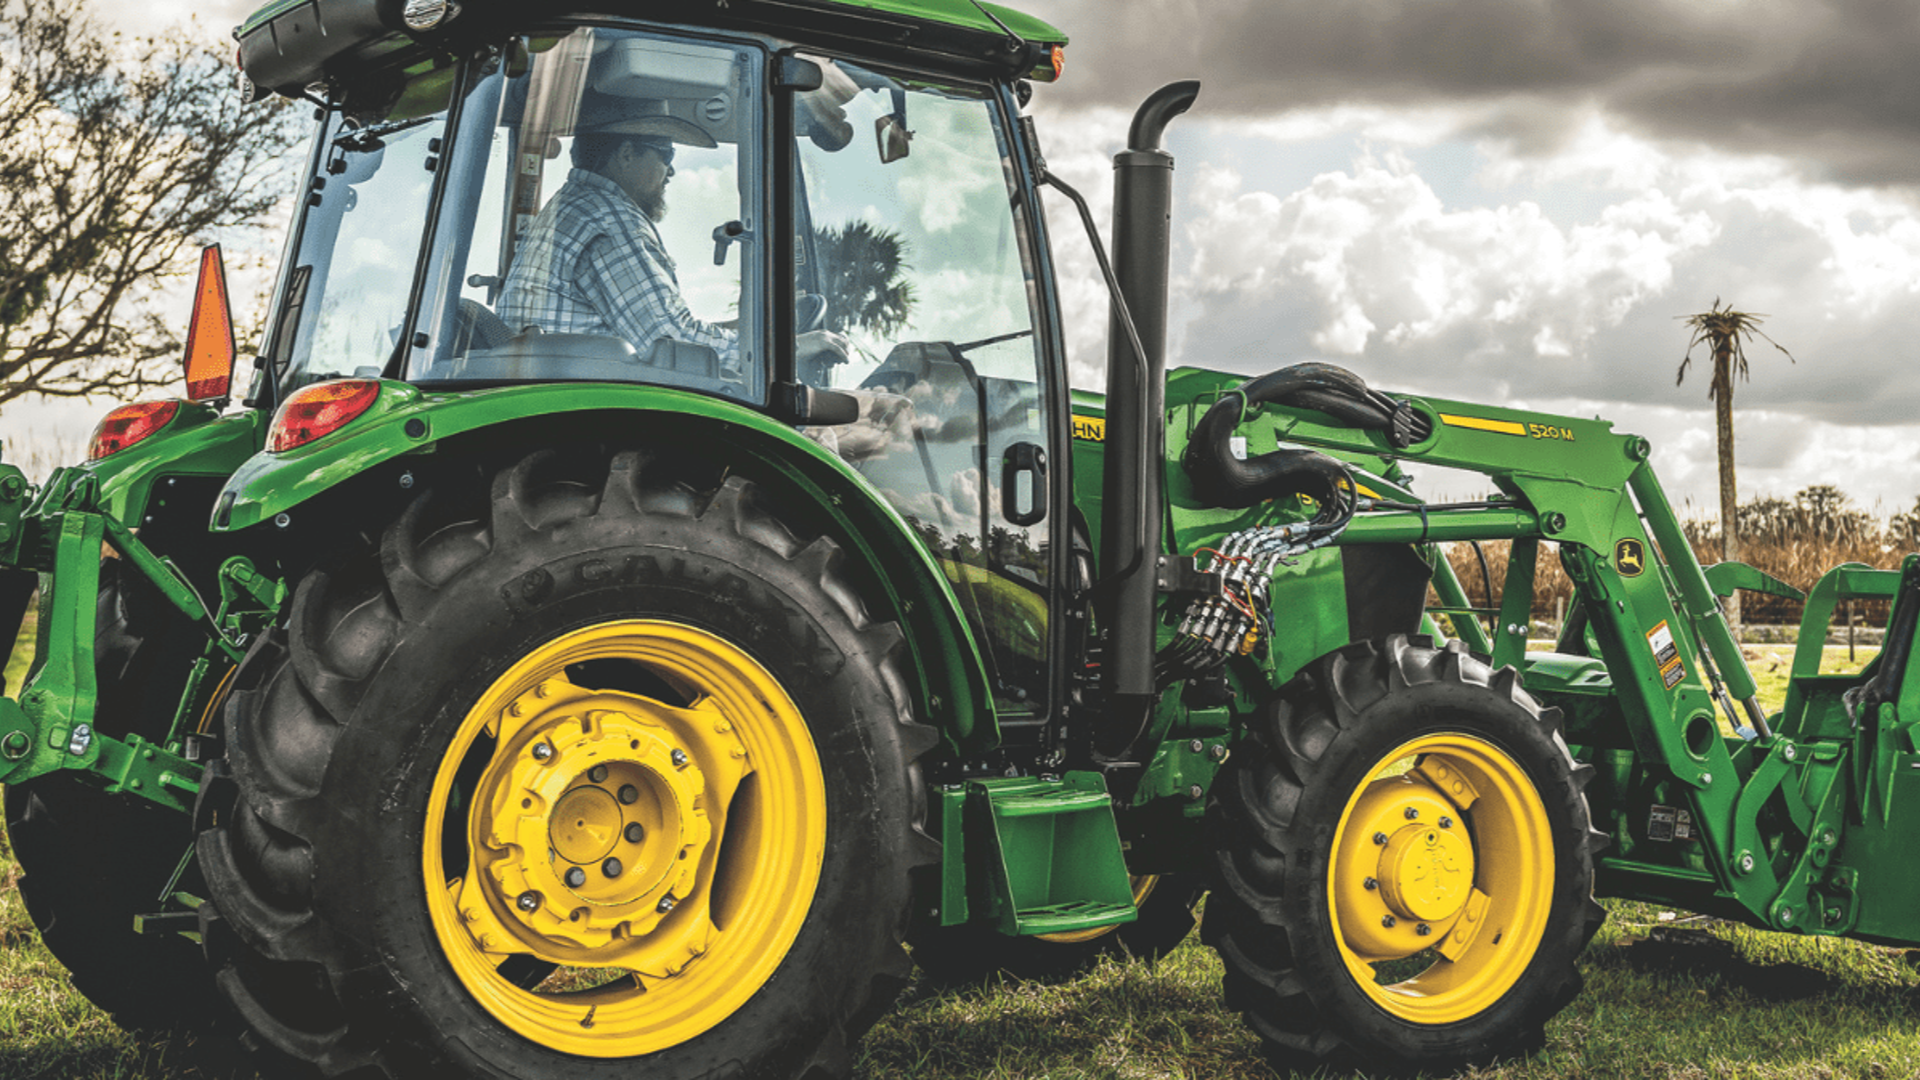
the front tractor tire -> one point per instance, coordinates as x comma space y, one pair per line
586, 772
1405, 864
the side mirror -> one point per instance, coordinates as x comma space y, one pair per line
210, 346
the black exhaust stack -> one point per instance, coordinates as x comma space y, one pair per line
1136, 419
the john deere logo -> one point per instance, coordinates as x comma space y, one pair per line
1630, 557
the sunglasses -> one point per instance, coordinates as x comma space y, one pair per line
663, 147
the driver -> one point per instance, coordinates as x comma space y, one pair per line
593, 262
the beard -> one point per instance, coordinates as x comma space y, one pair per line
655, 206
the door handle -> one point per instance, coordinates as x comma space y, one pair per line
1029, 459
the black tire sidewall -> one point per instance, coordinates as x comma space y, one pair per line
1541, 990
368, 854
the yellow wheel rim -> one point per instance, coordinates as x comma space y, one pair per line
1142, 888
658, 850
1441, 880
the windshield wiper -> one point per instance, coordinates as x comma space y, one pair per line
373, 138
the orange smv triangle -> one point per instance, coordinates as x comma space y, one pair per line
210, 347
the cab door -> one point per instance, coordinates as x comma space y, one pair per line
916, 293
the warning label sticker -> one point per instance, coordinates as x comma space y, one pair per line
1668, 823
1666, 655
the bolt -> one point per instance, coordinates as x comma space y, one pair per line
406, 480
576, 877
1380, 838
1218, 753
16, 745
666, 904
1706, 778
282, 520
529, 901
1196, 792
1411, 813
629, 794
1370, 884
82, 738
1389, 921
1827, 837
611, 868
1446, 822
1831, 915
1746, 863
1423, 929
1789, 752
636, 832
679, 758
1196, 746
542, 751
597, 774
1786, 916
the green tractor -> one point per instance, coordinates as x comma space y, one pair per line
581, 656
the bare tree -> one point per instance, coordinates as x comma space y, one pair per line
116, 158
1725, 332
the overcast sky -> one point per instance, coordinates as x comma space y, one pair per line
1512, 201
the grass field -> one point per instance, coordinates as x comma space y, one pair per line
1668, 996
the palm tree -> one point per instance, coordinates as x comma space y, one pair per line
1725, 332
861, 274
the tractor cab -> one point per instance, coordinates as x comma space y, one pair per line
781, 222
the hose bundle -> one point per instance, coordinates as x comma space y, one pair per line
1216, 628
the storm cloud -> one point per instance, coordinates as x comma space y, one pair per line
1829, 82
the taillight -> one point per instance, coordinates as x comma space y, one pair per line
127, 425
320, 410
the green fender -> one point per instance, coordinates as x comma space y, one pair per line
406, 420
198, 441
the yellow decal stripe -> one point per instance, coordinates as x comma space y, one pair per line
1502, 427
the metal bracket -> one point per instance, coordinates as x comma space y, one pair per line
1178, 574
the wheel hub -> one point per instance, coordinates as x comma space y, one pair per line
1405, 866
1426, 873
592, 828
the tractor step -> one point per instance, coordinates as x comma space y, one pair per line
1052, 857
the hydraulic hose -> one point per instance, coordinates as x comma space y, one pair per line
1221, 479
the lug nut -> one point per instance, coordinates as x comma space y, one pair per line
611, 868
1380, 838
636, 832
679, 758
1370, 884
1412, 813
666, 904
597, 774
629, 794
542, 751
576, 877
529, 901
1389, 921
1446, 822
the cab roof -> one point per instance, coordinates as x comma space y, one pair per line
289, 45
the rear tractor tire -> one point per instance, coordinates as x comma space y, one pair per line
1405, 864
584, 774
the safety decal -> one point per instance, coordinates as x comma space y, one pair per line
1629, 557
1666, 655
1670, 823
1089, 428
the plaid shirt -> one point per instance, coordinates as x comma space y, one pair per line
593, 263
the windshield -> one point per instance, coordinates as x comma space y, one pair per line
344, 305
601, 223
